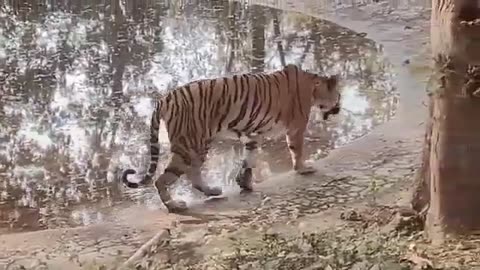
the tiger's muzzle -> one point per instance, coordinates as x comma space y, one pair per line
332, 111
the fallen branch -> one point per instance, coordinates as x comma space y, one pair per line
419, 262
145, 248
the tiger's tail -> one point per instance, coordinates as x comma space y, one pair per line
154, 151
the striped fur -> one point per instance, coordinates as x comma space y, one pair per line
248, 107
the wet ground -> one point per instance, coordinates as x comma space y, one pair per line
76, 85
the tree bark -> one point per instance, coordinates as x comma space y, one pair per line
449, 181
421, 194
258, 22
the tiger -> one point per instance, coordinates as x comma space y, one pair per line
248, 107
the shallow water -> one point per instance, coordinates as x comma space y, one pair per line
77, 81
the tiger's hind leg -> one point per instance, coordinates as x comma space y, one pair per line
245, 177
175, 168
195, 176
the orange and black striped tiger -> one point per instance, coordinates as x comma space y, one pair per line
247, 106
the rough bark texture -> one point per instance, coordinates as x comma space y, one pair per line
258, 39
421, 194
449, 182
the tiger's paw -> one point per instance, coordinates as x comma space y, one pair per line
244, 180
213, 191
210, 191
246, 191
305, 170
175, 206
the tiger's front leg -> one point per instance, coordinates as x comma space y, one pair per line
175, 168
245, 177
295, 141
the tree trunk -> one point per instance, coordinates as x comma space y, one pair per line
450, 178
258, 22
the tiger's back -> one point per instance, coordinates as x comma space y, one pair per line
241, 104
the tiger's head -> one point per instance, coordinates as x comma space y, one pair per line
326, 94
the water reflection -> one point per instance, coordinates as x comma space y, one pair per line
76, 83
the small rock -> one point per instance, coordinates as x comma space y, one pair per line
463, 246
351, 215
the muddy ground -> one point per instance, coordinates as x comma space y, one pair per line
372, 171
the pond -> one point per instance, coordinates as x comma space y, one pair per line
77, 82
